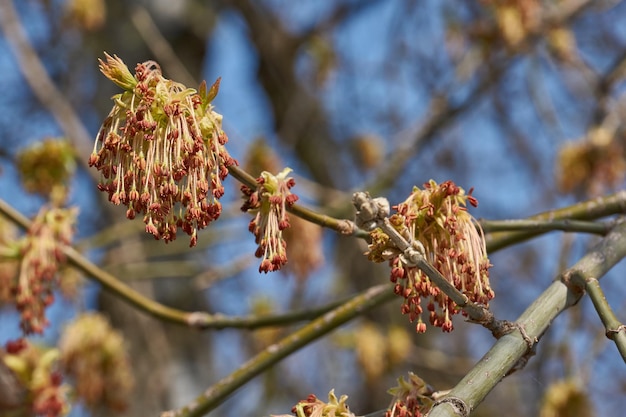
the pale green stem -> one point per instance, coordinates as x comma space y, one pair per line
615, 330
567, 225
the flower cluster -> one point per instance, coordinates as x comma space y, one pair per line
314, 407
436, 217
303, 238
566, 397
42, 255
593, 164
94, 355
270, 201
161, 151
46, 167
87, 15
412, 398
9, 259
37, 373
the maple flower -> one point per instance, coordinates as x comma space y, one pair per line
314, 407
303, 238
270, 201
436, 217
160, 151
412, 398
42, 256
592, 165
36, 371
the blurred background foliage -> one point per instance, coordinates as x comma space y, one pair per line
521, 99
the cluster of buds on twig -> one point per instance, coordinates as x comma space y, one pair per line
412, 397
270, 201
94, 355
161, 151
42, 255
46, 168
37, 374
437, 218
9, 259
594, 164
314, 407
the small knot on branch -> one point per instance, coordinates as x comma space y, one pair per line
611, 333
460, 407
530, 342
413, 254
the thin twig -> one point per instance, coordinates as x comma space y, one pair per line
615, 330
567, 225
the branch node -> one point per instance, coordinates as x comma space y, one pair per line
529, 341
575, 282
460, 407
198, 320
413, 254
611, 333
347, 227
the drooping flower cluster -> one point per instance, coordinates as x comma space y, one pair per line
437, 217
270, 201
412, 398
42, 255
303, 238
161, 151
94, 355
37, 373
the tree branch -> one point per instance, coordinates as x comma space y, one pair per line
566, 225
